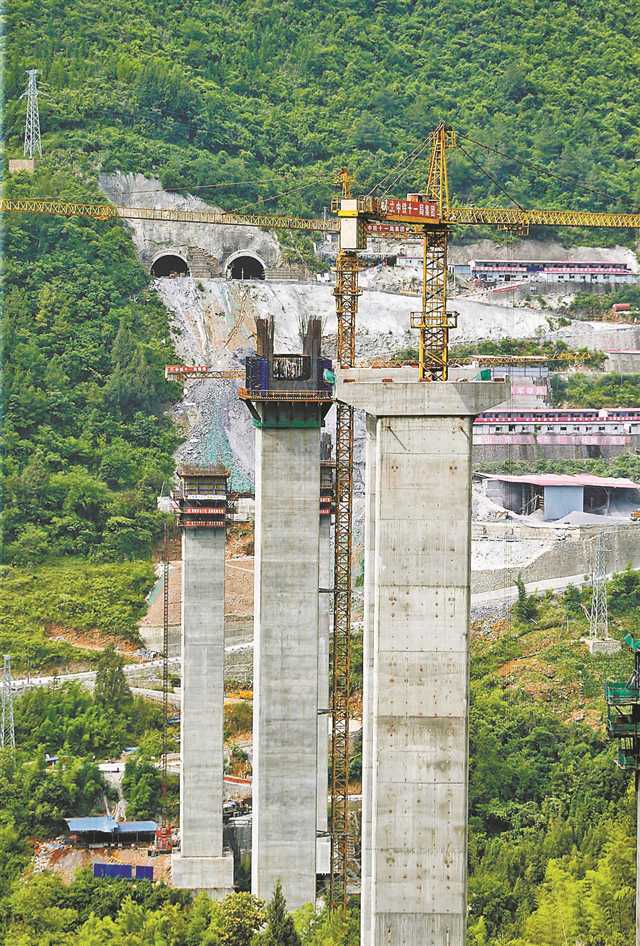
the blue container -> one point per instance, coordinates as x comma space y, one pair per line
112, 870
144, 873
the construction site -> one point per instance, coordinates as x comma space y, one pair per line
325, 488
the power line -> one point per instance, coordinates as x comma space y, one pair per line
536, 166
408, 160
199, 187
266, 200
484, 170
219, 185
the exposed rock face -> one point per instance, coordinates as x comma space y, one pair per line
213, 318
206, 248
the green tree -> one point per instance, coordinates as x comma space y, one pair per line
280, 929
111, 690
525, 608
141, 785
237, 918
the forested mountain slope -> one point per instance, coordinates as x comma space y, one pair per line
284, 92
87, 443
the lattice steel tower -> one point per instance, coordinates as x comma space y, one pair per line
32, 144
599, 615
8, 732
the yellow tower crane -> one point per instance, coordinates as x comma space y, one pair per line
426, 215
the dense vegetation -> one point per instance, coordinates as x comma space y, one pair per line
243, 101
551, 828
607, 390
87, 444
45, 602
261, 99
625, 465
593, 305
557, 353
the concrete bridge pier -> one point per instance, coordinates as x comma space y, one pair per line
202, 863
416, 699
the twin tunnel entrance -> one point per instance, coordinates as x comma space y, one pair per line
239, 266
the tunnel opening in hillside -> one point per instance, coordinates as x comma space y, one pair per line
169, 265
246, 267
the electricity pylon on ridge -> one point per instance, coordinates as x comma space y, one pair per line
599, 614
32, 143
7, 732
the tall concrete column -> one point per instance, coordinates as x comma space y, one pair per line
201, 863
419, 704
323, 855
288, 398
367, 678
286, 664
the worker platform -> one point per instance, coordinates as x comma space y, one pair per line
287, 390
201, 497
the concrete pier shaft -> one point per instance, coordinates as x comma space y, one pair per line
201, 863
416, 707
288, 398
323, 858
285, 673
367, 674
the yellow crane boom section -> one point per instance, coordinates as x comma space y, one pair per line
63, 208
516, 217
454, 216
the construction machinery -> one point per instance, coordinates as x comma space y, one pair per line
425, 215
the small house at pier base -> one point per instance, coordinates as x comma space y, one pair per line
556, 496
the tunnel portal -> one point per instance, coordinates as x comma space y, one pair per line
246, 267
169, 264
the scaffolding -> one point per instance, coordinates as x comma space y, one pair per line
623, 712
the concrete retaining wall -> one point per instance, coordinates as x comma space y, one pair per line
569, 552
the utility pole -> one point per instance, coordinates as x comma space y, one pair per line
8, 732
599, 615
32, 144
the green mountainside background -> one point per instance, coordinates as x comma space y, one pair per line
247, 100
285, 92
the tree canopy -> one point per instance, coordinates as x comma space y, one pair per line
245, 100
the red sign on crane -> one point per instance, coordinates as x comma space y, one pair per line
410, 209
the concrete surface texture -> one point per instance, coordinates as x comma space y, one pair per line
286, 663
367, 673
201, 863
418, 688
323, 847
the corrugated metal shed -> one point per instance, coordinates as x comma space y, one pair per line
108, 825
557, 479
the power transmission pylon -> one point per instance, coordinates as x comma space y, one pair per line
32, 143
599, 614
8, 732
